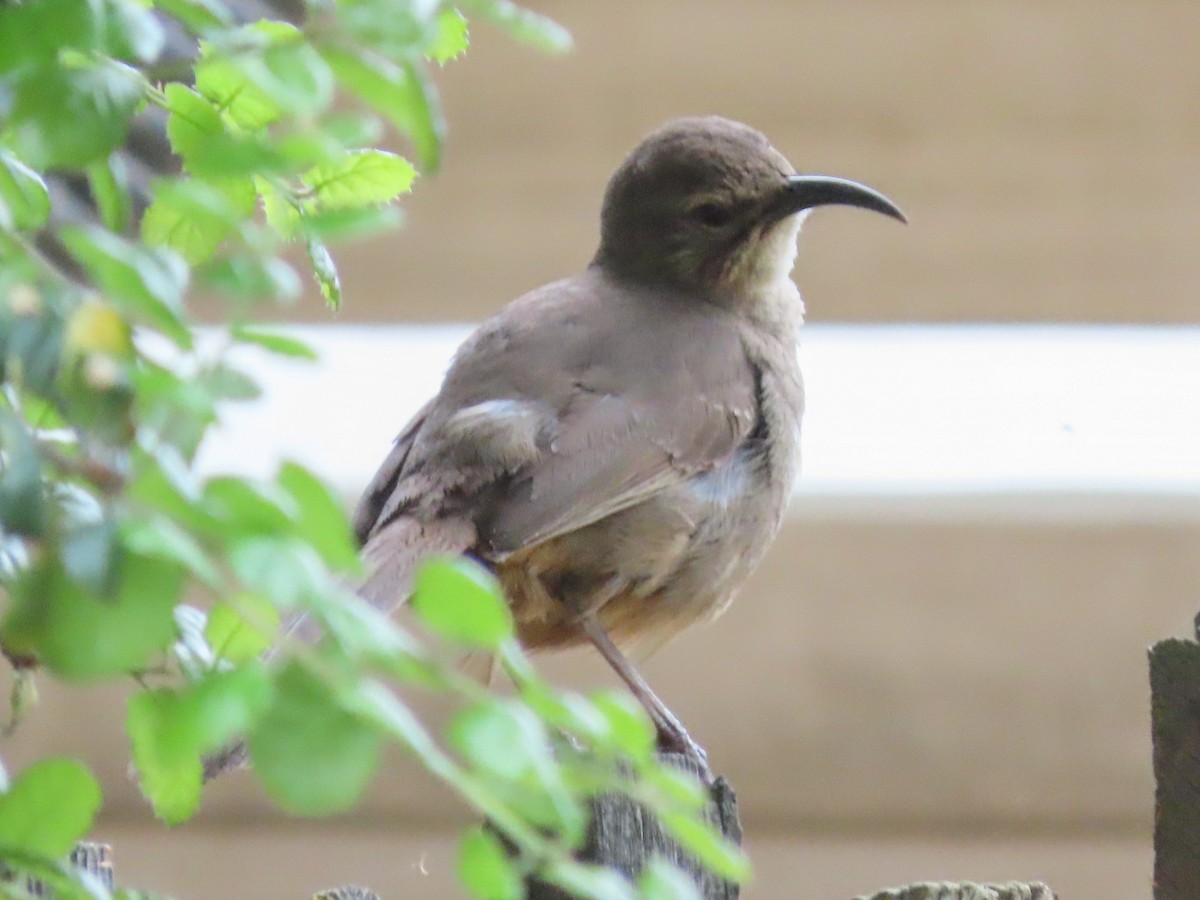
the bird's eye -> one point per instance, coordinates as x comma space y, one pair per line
714, 215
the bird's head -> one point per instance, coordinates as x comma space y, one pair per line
708, 205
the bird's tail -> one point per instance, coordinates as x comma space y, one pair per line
392, 556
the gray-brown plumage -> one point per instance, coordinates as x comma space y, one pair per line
619, 446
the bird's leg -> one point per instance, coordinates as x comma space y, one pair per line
672, 736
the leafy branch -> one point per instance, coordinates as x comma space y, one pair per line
108, 393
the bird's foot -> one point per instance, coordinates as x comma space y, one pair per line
676, 740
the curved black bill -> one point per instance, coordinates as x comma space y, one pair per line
807, 191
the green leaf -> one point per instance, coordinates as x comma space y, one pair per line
263, 70
193, 217
169, 731
286, 570
351, 224
24, 193
198, 16
81, 636
170, 778
280, 209
460, 600
450, 37
361, 178
275, 343
242, 628
501, 737
629, 728
23, 507
35, 32
325, 272
163, 538
147, 285
403, 94
74, 116
523, 24
585, 881
662, 881
714, 852
248, 275
505, 739
245, 508
47, 808
320, 518
485, 869
198, 135
312, 754
110, 190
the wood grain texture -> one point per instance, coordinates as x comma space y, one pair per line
624, 836
1175, 710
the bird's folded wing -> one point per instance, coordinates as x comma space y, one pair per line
611, 452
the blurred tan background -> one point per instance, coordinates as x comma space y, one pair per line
901, 694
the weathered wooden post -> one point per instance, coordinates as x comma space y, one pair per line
1175, 725
624, 835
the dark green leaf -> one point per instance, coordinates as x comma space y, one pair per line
24, 193
461, 601
74, 116
312, 754
450, 37
23, 508
662, 881
242, 628
47, 808
325, 272
320, 518
275, 343
78, 635
35, 32
523, 24
110, 190
403, 94
360, 178
485, 869
148, 285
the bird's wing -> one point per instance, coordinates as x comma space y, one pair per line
576, 402
370, 505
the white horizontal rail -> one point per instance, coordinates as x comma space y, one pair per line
935, 419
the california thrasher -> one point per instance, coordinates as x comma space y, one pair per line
619, 447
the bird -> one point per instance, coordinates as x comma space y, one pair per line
618, 447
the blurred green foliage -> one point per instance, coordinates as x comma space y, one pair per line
106, 526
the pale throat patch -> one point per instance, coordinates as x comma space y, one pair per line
765, 274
